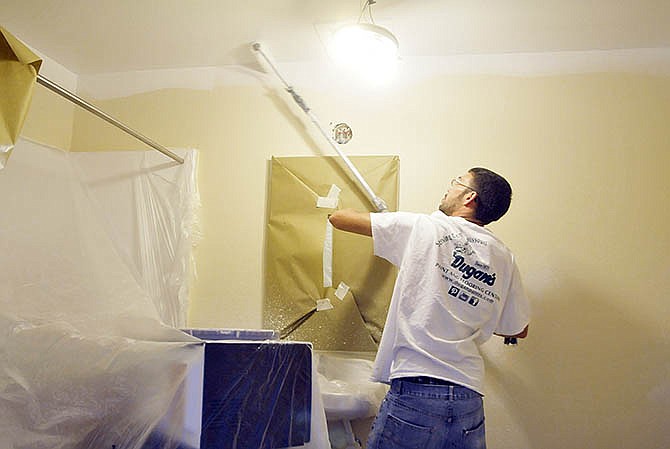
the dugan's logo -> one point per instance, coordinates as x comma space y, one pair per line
468, 271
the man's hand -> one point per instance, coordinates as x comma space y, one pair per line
352, 221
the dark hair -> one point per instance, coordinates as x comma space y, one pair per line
494, 194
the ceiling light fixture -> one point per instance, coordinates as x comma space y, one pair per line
366, 48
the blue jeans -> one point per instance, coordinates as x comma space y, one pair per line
421, 416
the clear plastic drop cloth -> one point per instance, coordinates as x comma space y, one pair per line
87, 358
148, 205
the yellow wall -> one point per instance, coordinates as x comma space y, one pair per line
587, 156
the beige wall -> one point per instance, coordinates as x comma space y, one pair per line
587, 156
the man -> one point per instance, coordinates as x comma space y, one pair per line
457, 285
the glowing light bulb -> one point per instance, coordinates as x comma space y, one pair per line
368, 50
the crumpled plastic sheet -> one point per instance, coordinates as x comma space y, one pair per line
346, 388
86, 360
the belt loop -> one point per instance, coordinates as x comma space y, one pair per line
451, 392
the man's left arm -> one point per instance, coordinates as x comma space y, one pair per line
516, 312
351, 220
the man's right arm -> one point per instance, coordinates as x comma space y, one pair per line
352, 221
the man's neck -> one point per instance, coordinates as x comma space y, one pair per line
466, 214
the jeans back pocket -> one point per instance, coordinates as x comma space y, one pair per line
404, 434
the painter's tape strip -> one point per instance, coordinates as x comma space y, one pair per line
328, 256
330, 201
323, 304
326, 203
334, 191
342, 291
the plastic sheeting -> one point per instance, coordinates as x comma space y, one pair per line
256, 395
346, 388
148, 205
85, 359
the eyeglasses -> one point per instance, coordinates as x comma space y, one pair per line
455, 182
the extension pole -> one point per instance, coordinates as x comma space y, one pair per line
95, 111
378, 202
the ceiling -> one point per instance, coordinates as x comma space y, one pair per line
103, 36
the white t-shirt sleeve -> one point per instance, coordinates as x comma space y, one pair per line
390, 234
516, 313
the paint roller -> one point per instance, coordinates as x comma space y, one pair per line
264, 60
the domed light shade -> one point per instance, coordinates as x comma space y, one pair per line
369, 49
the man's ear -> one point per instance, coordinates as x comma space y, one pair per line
470, 199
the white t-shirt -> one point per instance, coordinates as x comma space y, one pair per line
457, 284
